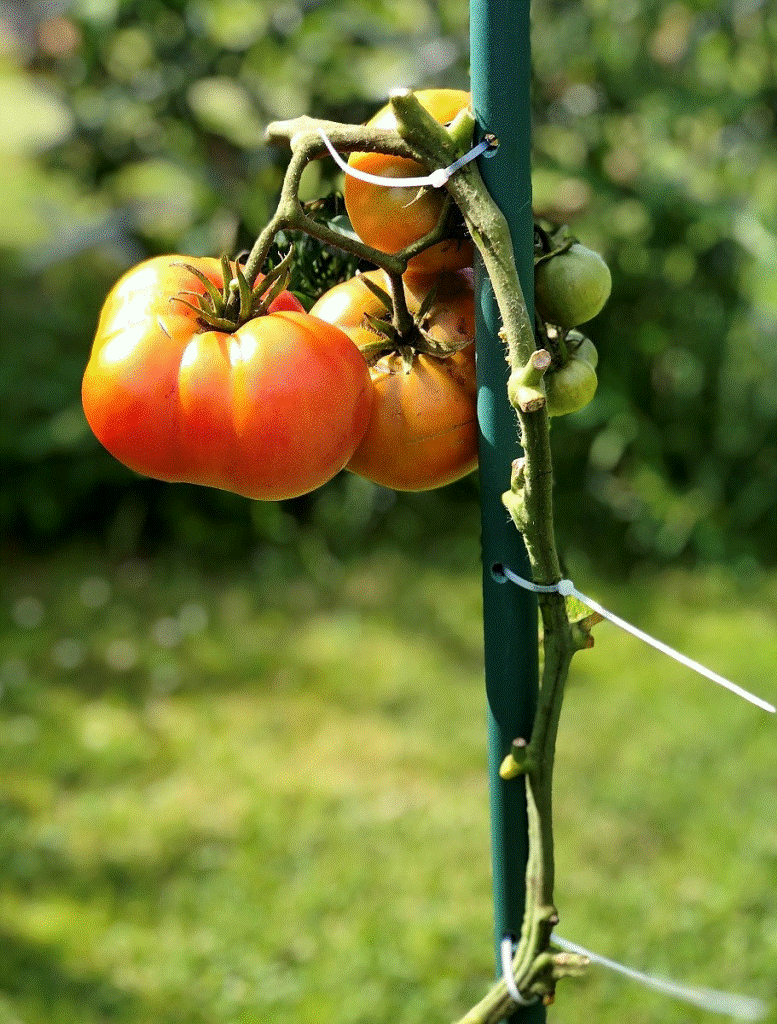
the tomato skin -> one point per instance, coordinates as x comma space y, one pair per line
571, 387
572, 287
585, 350
270, 411
422, 431
387, 218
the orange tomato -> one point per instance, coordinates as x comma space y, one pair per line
422, 431
272, 410
390, 218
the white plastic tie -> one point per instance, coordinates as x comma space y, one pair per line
506, 949
567, 589
729, 1004
436, 179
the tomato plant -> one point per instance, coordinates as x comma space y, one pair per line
389, 219
422, 431
270, 410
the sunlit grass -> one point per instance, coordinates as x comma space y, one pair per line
261, 796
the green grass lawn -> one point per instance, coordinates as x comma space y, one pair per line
261, 797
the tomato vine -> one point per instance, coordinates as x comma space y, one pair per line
418, 136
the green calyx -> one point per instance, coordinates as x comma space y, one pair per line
399, 332
236, 302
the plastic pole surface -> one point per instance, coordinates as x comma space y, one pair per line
500, 74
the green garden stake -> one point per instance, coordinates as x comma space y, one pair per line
500, 63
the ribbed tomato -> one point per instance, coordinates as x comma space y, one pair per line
271, 410
422, 431
389, 218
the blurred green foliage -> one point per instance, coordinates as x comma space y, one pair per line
134, 127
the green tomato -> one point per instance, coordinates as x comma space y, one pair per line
571, 287
570, 387
580, 347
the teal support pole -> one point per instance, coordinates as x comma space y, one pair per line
500, 74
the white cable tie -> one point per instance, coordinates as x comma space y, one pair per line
567, 589
473, 154
436, 179
506, 957
536, 588
741, 1007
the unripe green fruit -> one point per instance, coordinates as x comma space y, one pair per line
570, 387
580, 347
571, 287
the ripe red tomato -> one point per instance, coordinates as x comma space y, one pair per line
272, 410
422, 431
388, 219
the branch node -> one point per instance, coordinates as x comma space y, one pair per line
525, 387
569, 965
518, 475
547, 915
516, 762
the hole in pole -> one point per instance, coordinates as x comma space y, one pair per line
498, 573
493, 145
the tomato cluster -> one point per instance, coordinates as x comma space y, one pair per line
571, 285
378, 378
279, 405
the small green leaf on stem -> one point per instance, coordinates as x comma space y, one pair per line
581, 629
515, 504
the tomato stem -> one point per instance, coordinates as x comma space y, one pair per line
302, 136
560, 241
525, 388
401, 317
530, 502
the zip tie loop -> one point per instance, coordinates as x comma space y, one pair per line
506, 958
436, 179
741, 1007
501, 572
567, 589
